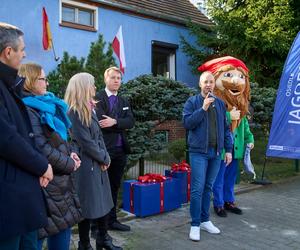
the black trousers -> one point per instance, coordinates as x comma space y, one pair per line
85, 225
115, 174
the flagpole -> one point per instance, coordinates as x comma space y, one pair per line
56, 58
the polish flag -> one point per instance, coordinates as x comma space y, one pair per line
118, 47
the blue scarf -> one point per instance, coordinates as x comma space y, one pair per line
53, 112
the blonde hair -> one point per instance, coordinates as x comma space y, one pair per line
79, 96
111, 69
32, 72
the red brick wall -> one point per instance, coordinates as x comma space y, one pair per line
174, 128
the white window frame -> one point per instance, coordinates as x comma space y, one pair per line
172, 66
77, 5
171, 57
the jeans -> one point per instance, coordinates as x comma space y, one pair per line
26, 241
205, 167
59, 241
223, 188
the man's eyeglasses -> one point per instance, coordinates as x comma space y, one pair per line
43, 79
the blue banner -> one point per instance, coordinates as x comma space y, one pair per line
284, 140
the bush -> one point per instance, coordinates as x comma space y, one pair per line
263, 101
154, 100
177, 148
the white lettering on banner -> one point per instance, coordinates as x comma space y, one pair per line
296, 114
276, 147
295, 101
289, 85
297, 105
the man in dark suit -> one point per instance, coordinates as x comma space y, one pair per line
23, 169
115, 116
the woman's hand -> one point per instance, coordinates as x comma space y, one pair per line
76, 159
104, 167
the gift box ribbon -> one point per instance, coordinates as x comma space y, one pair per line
149, 178
152, 178
184, 167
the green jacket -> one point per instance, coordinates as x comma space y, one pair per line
242, 135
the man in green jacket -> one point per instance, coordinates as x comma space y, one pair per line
232, 86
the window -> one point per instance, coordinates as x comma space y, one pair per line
164, 59
163, 135
78, 15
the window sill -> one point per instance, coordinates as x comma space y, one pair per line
78, 26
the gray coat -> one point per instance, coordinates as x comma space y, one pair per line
92, 184
62, 201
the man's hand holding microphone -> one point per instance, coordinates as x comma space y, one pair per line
208, 100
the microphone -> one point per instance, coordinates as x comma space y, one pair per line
210, 94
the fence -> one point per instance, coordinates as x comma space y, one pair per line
172, 146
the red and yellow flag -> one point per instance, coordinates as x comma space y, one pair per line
47, 37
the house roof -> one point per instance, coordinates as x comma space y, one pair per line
175, 11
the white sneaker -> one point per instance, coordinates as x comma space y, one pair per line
209, 227
195, 233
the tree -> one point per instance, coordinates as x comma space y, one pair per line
98, 60
259, 32
60, 77
154, 100
96, 63
295, 5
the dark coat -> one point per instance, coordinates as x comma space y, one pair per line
122, 113
62, 200
92, 184
22, 205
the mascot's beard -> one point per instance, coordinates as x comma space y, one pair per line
239, 101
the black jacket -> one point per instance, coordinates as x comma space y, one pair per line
62, 201
22, 205
122, 113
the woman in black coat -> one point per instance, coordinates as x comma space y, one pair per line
92, 183
50, 123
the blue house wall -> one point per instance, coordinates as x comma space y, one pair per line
138, 33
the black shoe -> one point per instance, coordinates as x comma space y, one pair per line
106, 243
220, 211
84, 246
116, 225
230, 206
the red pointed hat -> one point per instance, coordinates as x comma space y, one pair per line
215, 64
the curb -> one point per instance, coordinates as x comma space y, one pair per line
247, 188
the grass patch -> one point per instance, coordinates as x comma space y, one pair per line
276, 168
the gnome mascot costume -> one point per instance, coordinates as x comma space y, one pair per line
233, 87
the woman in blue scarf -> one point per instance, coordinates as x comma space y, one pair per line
50, 123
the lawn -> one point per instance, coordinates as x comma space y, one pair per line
276, 168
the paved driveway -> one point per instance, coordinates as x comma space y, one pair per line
271, 220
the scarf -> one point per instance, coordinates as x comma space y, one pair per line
53, 112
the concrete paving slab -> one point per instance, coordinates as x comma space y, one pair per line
270, 221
